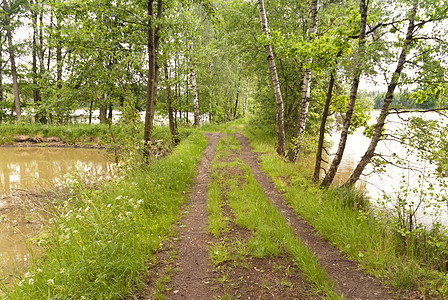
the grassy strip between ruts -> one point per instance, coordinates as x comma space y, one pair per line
99, 245
340, 215
252, 210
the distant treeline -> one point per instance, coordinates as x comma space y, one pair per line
417, 99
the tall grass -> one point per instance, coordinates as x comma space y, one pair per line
253, 211
345, 218
99, 245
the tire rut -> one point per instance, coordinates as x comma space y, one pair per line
192, 273
352, 282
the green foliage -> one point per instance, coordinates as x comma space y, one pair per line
420, 98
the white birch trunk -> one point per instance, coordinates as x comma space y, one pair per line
351, 103
303, 115
378, 133
195, 97
281, 148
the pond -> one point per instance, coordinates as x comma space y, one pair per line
25, 174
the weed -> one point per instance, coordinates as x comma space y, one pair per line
101, 239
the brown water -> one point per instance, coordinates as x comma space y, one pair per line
24, 174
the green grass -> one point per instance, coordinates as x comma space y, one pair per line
228, 127
98, 246
343, 217
85, 133
253, 211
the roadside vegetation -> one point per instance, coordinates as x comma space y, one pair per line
373, 237
100, 240
78, 134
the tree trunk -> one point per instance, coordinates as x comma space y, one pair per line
150, 96
90, 111
352, 100
281, 148
15, 82
173, 131
1, 75
387, 101
303, 115
111, 111
195, 97
103, 109
236, 105
36, 73
49, 46
58, 54
226, 118
320, 145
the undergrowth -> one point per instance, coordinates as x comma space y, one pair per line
98, 244
346, 219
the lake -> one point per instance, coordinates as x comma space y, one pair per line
387, 184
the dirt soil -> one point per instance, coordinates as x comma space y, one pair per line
184, 265
52, 141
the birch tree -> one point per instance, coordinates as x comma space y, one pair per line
305, 102
281, 148
195, 97
153, 67
411, 32
353, 94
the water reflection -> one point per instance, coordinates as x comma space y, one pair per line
26, 168
23, 170
378, 185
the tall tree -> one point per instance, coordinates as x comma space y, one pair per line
305, 103
281, 147
153, 70
12, 58
363, 6
171, 121
194, 90
379, 127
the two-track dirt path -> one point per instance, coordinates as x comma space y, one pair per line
352, 282
193, 274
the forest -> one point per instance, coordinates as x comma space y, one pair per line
162, 77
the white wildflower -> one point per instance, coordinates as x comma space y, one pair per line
31, 281
50, 281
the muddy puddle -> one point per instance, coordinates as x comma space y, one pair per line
27, 177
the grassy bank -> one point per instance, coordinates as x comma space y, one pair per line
345, 219
233, 189
100, 241
83, 133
